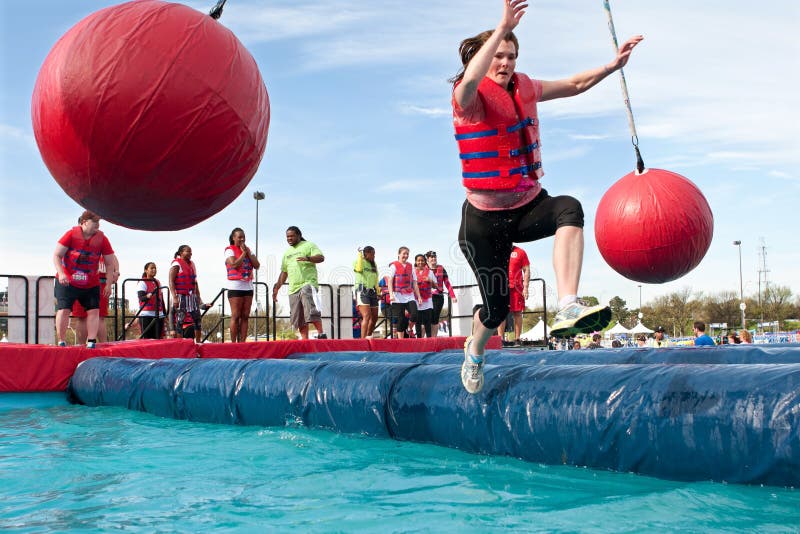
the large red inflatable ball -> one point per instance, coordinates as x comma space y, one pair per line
151, 114
653, 227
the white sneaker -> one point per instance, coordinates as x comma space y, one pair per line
90, 344
578, 318
471, 370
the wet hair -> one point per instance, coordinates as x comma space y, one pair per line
230, 237
146, 265
366, 249
641, 337
700, 325
470, 46
616, 343
596, 337
181, 249
297, 231
88, 216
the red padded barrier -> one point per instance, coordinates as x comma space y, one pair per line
48, 368
279, 349
38, 367
153, 349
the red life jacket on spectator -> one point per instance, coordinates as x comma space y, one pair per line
150, 304
439, 273
496, 152
186, 277
424, 283
82, 259
402, 277
244, 271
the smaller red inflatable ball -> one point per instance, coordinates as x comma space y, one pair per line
653, 227
151, 114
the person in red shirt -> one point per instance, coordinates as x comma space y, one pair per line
78, 314
77, 260
519, 277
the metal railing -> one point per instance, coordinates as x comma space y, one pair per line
104, 320
328, 316
122, 319
23, 316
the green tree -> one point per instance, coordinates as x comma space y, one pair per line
777, 303
619, 311
723, 307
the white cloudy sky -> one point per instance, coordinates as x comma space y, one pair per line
361, 151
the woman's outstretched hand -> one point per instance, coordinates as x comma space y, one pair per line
512, 13
624, 52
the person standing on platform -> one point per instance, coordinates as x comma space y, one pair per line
366, 290
519, 278
240, 263
151, 302
77, 262
78, 314
185, 292
426, 281
299, 266
403, 291
497, 131
700, 336
442, 281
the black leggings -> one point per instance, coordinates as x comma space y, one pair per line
438, 304
151, 327
398, 311
423, 319
487, 237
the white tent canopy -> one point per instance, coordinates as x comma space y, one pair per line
640, 329
537, 333
616, 330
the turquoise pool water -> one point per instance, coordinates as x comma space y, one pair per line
73, 468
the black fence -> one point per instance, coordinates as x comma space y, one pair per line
122, 318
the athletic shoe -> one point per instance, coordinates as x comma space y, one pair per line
471, 370
578, 318
322, 336
62, 343
90, 344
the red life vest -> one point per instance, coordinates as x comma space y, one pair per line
496, 152
402, 277
186, 277
424, 283
81, 261
151, 286
244, 271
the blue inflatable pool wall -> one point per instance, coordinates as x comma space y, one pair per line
724, 414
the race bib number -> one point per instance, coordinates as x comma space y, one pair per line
80, 278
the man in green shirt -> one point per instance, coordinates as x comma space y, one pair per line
299, 265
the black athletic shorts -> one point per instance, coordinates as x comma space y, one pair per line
89, 297
487, 237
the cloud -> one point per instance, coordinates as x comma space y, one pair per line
588, 137
411, 109
13, 134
